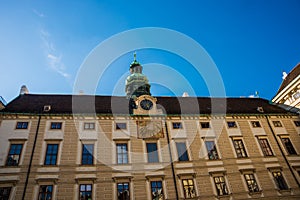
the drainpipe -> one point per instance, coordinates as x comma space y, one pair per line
282, 152
171, 160
31, 157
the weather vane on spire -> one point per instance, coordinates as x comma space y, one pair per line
134, 56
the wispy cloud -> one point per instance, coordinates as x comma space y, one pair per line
39, 14
56, 64
54, 59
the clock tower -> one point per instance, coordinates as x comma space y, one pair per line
138, 91
142, 103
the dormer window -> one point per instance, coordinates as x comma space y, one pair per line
255, 124
204, 125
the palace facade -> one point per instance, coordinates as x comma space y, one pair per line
145, 147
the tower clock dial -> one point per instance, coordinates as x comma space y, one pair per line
146, 104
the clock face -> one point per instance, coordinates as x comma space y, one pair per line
146, 104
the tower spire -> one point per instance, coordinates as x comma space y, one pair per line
134, 56
137, 83
134, 62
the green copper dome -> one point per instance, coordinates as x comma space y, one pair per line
135, 62
137, 83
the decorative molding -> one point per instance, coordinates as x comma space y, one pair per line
46, 178
85, 178
119, 178
183, 175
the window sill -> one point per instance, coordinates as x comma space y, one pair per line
292, 155
284, 190
213, 159
87, 165
226, 196
50, 165
8, 170
11, 166
247, 157
183, 161
86, 168
255, 193
48, 169
269, 156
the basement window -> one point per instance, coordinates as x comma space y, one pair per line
277, 123
232, 124
204, 124
177, 125
255, 124
89, 126
121, 126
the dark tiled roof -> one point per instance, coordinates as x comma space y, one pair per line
62, 104
290, 77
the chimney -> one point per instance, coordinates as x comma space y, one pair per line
81, 92
24, 90
185, 94
284, 75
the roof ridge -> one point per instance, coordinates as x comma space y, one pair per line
63, 104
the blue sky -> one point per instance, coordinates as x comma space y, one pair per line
44, 43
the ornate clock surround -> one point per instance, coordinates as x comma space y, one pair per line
145, 105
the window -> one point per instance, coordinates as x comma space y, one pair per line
14, 155
251, 183
120, 126
255, 124
55, 125
296, 95
89, 126
297, 123
188, 188
220, 185
265, 147
123, 191
181, 151
279, 180
288, 146
5, 193
45, 192
157, 190
122, 153
211, 150
22, 125
85, 192
152, 152
239, 148
51, 154
277, 123
231, 124
177, 125
87, 154
204, 124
